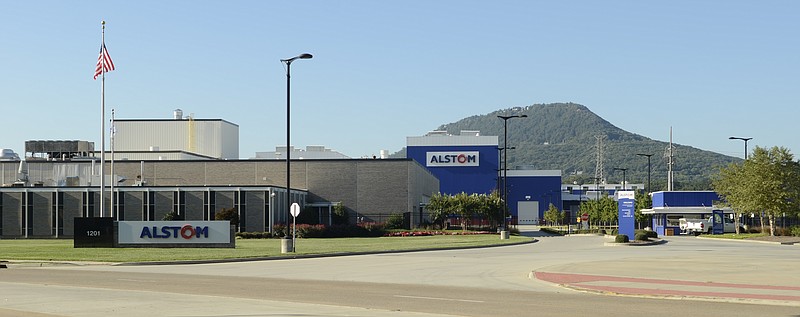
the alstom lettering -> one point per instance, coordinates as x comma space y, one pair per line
454, 159
166, 232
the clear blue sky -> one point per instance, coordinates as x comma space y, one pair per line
384, 70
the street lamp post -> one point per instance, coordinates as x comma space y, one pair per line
624, 180
648, 170
287, 243
505, 163
745, 143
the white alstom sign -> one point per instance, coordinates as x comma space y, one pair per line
461, 158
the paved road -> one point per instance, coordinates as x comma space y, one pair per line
476, 282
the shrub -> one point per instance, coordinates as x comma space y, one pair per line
310, 231
640, 236
279, 231
395, 221
254, 235
340, 216
172, 215
796, 231
550, 230
621, 238
783, 231
648, 233
229, 214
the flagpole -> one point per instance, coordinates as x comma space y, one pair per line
113, 180
103, 129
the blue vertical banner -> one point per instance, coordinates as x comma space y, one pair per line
627, 208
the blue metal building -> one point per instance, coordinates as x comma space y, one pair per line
530, 193
470, 163
463, 163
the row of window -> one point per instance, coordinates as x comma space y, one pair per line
31, 201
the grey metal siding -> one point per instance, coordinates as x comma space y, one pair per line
194, 205
42, 222
224, 199
164, 204
134, 206
73, 203
12, 214
254, 201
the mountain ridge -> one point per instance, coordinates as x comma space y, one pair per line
562, 136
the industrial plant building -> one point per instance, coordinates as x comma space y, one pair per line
190, 167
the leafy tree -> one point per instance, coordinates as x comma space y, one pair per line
340, 216
603, 210
643, 201
553, 215
492, 208
439, 208
768, 182
465, 207
229, 214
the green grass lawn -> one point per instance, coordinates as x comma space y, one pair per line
62, 250
740, 236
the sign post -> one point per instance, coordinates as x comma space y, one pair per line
295, 211
585, 220
627, 208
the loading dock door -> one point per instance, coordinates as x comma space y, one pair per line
528, 212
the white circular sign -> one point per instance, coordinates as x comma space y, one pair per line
294, 209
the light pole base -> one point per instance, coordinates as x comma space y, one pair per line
287, 245
504, 235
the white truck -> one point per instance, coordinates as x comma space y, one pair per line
697, 226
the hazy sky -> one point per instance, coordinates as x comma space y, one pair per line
384, 70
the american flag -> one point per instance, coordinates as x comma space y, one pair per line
104, 62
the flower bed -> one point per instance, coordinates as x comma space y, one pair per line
433, 233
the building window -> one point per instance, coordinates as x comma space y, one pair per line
179, 203
58, 213
1, 214
267, 202
240, 200
28, 225
209, 203
120, 202
88, 204
151, 206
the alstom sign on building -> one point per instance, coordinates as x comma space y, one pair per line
467, 162
453, 159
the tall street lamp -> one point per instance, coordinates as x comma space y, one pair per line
648, 170
745, 143
287, 243
624, 181
505, 162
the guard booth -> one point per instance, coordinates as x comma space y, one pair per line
670, 207
666, 220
